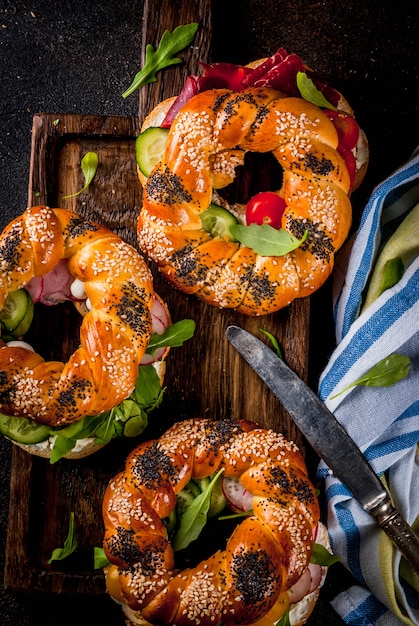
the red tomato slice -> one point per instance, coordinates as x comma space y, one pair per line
350, 161
346, 127
266, 207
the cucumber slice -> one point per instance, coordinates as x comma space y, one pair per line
218, 500
17, 313
217, 221
149, 148
23, 430
184, 500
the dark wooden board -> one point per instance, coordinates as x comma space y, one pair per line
204, 378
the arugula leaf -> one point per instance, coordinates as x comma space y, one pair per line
174, 336
70, 543
266, 240
274, 342
100, 560
236, 515
89, 165
155, 61
322, 556
385, 373
195, 517
309, 92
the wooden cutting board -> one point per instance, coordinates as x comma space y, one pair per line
204, 378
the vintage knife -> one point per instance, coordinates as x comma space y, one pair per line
328, 438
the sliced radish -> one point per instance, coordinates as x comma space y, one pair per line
20, 344
53, 287
301, 588
316, 573
160, 320
77, 289
160, 317
238, 498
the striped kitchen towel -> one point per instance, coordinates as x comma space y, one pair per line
382, 420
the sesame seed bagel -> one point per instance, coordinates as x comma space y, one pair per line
207, 140
113, 335
265, 555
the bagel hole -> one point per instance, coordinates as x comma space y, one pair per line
260, 172
55, 331
213, 537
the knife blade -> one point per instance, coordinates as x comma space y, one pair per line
328, 439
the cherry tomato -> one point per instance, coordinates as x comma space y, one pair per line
346, 127
266, 207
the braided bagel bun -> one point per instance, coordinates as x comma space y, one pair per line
264, 569
117, 303
85, 446
209, 135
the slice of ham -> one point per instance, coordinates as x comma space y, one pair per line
279, 72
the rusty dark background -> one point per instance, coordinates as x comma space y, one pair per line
78, 57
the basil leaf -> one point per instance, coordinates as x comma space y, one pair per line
322, 556
61, 446
100, 560
173, 336
309, 92
392, 273
70, 543
385, 373
266, 240
170, 44
274, 342
195, 517
89, 165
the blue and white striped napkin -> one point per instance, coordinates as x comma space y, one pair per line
383, 421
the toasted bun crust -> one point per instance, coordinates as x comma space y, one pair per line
84, 447
298, 612
278, 534
362, 149
119, 286
206, 141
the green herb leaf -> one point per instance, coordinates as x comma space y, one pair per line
174, 336
62, 445
148, 392
322, 556
70, 543
266, 240
274, 342
392, 273
195, 517
385, 373
309, 92
136, 425
100, 560
89, 165
236, 515
155, 61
